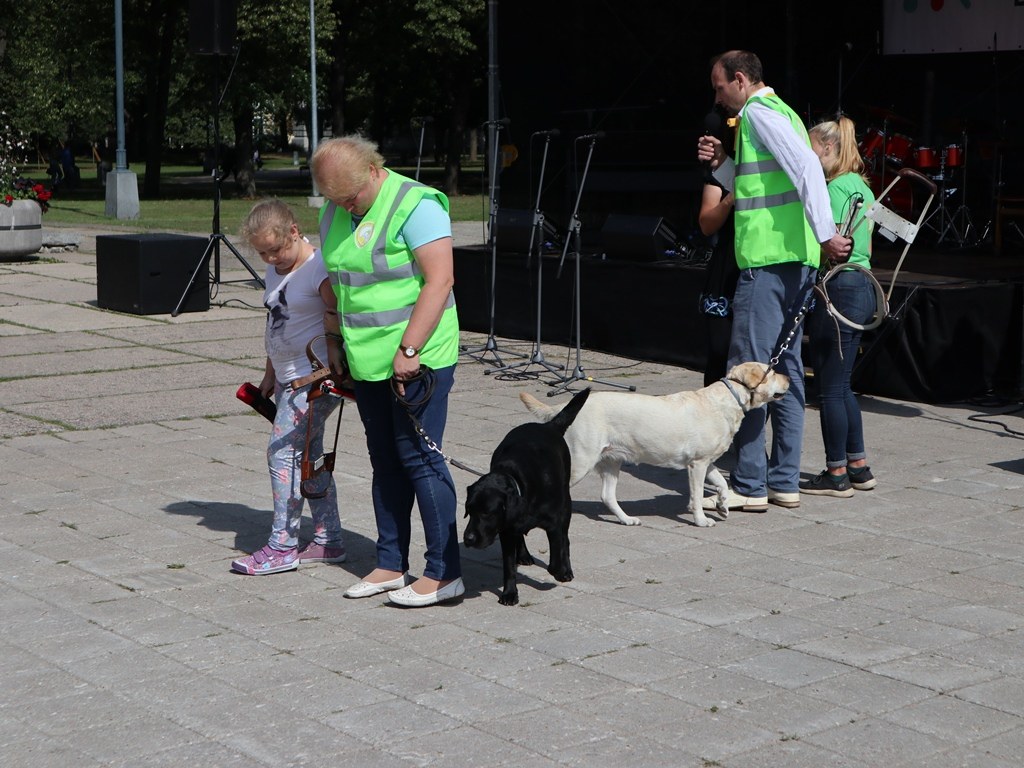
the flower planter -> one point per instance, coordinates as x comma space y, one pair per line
21, 228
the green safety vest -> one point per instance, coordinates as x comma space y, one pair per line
377, 281
771, 227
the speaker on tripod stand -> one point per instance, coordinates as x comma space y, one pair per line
212, 29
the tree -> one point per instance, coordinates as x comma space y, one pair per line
436, 68
162, 39
447, 33
56, 69
381, 63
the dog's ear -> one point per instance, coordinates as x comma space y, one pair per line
753, 375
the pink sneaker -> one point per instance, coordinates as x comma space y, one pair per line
318, 553
266, 561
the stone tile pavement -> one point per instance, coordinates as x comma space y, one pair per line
882, 630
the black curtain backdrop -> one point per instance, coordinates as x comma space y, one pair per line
943, 344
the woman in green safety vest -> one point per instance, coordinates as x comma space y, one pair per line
833, 346
386, 242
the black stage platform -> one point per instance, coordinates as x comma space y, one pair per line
955, 331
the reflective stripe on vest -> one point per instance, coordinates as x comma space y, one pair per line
767, 201
758, 166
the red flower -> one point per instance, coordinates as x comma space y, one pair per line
8, 199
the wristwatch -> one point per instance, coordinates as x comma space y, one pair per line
408, 351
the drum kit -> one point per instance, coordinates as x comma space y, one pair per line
886, 152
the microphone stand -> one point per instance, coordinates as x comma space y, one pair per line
536, 239
563, 383
490, 346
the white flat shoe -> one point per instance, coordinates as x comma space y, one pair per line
412, 599
370, 588
733, 500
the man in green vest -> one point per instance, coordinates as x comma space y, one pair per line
783, 225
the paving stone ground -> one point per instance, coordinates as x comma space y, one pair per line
881, 630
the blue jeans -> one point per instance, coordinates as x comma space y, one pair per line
842, 429
406, 470
767, 300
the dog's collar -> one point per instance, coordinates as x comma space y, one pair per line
729, 385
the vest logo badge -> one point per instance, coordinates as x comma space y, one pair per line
364, 233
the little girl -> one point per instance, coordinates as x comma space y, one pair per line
300, 305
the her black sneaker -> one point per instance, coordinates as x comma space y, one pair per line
826, 484
861, 478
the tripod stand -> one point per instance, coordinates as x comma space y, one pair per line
490, 346
957, 225
216, 238
563, 383
536, 248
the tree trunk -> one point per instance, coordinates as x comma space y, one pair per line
336, 74
157, 92
245, 172
459, 100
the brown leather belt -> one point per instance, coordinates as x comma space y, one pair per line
322, 375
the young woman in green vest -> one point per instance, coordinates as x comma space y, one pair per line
833, 346
386, 242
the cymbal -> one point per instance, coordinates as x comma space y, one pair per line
883, 113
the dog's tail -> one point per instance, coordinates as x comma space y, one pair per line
542, 411
567, 415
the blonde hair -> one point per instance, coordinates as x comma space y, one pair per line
843, 135
341, 166
269, 216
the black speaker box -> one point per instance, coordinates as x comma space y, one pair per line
637, 238
514, 229
146, 274
212, 25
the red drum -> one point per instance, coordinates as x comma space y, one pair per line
872, 143
898, 149
954, 156
926, 158
900, 199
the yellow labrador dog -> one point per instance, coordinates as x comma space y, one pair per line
685, 430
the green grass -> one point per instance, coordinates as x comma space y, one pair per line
187, 198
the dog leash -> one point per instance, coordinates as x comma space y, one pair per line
428, 375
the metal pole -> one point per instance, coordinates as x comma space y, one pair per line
492, 92
312, 85
121, 158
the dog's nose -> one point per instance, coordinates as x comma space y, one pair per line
469, 539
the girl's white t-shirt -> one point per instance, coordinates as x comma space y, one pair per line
295, 314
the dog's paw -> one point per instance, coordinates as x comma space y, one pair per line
525, 558
509, 598
703, 522
723, 510
627, 520
563, 575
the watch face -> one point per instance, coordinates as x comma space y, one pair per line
409, 351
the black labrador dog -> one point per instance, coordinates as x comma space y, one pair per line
527, 487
